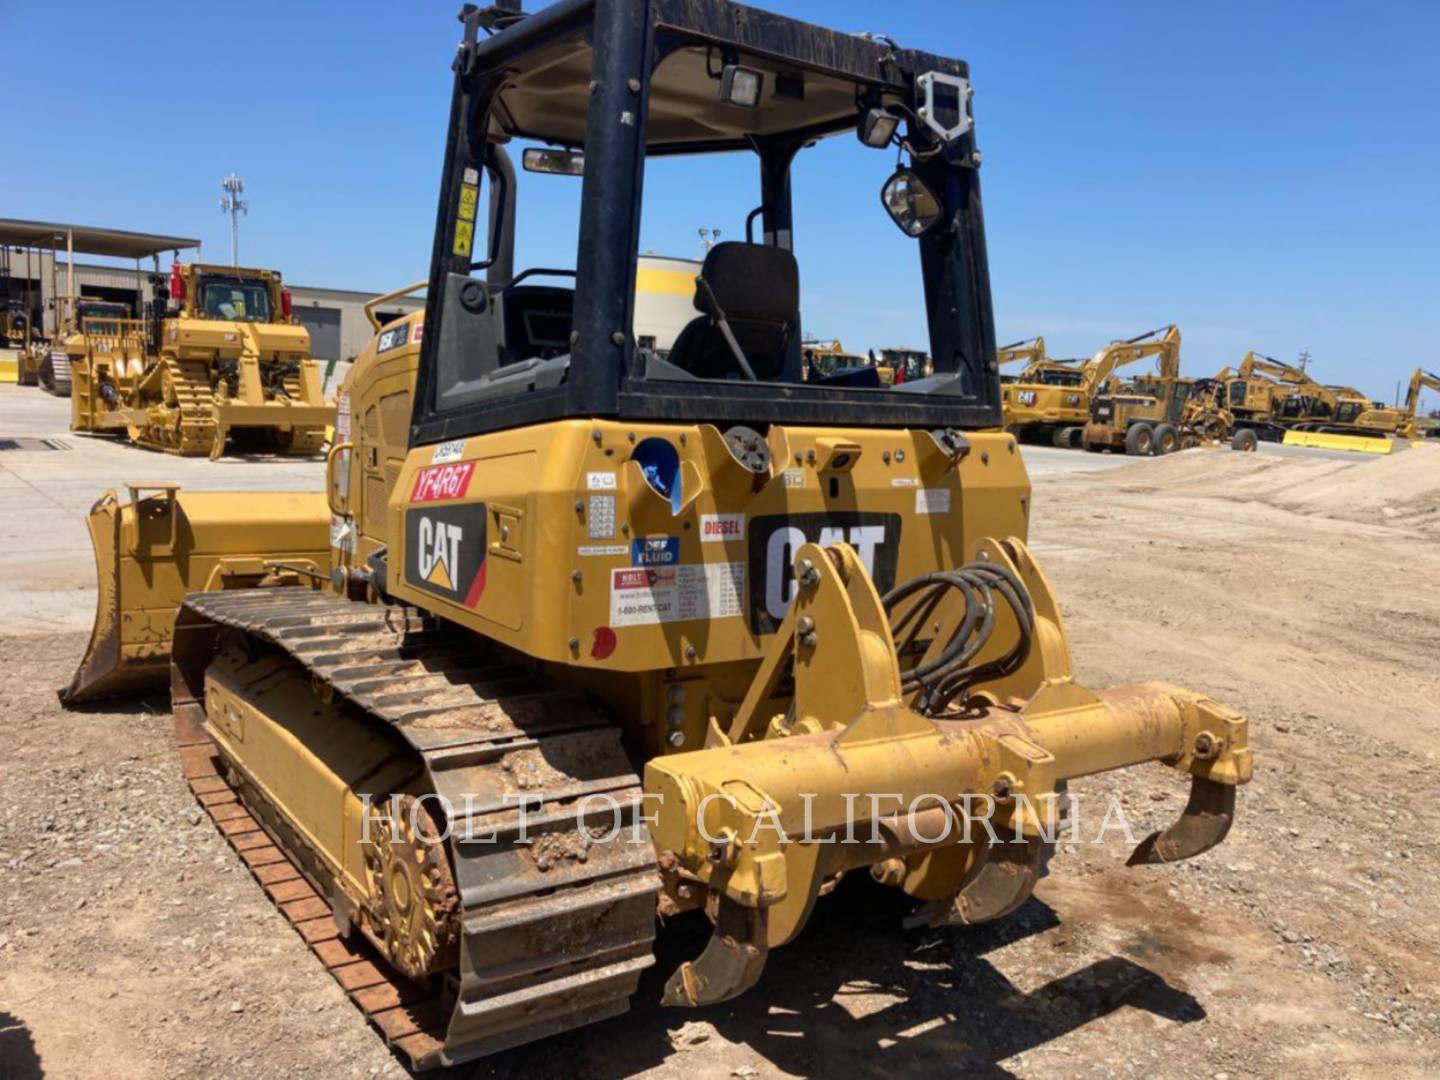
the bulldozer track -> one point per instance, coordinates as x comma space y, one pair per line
555, 927
55, 373
182, 419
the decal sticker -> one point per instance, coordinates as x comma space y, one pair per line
464, 238
647, 596
472, 175
655, 551
775, 539
393, 338
447, 452
445, 551
342, 534
715, 528
1027, 397
469, 199
794, 478
904, 481
342, 417
600, 481
603, 549
601, 518
440, 482
932, 501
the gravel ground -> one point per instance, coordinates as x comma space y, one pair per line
133, 943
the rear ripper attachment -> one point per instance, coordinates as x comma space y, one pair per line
765, 815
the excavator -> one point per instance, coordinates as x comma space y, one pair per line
604, 636
1264, 399
1051, 400
1030, 350
1346, 420
1400, 421
1254, 390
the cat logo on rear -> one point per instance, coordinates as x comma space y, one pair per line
445, 551
439, 551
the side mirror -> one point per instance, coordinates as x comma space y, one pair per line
555, 162
910, 203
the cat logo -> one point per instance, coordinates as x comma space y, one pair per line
439, 551
774, 541
445, 552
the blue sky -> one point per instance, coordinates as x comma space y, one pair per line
1265, 174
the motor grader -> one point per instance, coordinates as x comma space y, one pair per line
608, 635
1051, 400
225, 356
1144, 415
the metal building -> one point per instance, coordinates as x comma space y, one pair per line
38, 258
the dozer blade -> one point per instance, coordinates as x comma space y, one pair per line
153, 550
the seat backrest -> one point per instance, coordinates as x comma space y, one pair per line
756, 288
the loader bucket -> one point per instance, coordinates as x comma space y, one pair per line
153, 550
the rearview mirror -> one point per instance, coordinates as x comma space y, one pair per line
910, 203
555, 162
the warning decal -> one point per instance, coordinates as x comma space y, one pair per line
646, 596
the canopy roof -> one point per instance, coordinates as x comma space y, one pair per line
88, 240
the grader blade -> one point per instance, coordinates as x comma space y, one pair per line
164, 544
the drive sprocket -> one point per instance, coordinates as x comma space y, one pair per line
413, 899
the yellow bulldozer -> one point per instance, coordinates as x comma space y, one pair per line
898, 365
605, 635
14, 325
47, 362
829, 361
218, 354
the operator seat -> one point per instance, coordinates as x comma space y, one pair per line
755, 288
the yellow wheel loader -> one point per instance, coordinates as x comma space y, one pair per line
225, 356
608, 635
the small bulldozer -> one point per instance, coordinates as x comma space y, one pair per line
603, 634
218, 354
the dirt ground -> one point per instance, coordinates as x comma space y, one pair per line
132, 943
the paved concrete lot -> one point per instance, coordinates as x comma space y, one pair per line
46, 573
